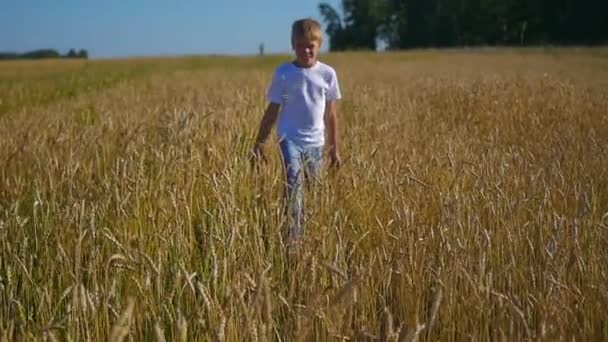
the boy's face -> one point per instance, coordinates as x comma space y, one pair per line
306, 51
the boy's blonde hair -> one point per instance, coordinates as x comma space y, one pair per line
307, 29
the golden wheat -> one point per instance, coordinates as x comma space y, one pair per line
473, 198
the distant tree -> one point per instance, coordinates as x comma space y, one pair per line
8, 55
39, 54
44, 53
71, 54
82, 53
358, 29
437, 23
334, 27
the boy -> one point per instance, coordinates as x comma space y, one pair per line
302, 96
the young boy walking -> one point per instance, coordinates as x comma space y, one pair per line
302, 97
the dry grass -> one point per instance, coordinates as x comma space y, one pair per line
473, 203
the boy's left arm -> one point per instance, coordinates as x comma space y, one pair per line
331, 124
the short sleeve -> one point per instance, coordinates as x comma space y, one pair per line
274, 94
333, 92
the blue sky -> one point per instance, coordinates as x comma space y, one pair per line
120, 28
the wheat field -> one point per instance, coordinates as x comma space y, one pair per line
472, 203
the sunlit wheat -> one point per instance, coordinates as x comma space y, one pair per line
472, 204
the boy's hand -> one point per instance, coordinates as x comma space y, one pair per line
335, 160
257, 154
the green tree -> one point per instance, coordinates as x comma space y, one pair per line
438, 23
359, 27
39, 54
71, 54
82, 53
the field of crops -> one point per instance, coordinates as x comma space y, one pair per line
472, 203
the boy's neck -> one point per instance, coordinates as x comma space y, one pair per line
301, 66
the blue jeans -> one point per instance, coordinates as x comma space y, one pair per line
299, 164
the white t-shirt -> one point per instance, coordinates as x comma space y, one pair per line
302, 94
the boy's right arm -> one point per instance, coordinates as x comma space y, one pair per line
270, 117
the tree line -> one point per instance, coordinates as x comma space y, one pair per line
402, 24
44, 53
